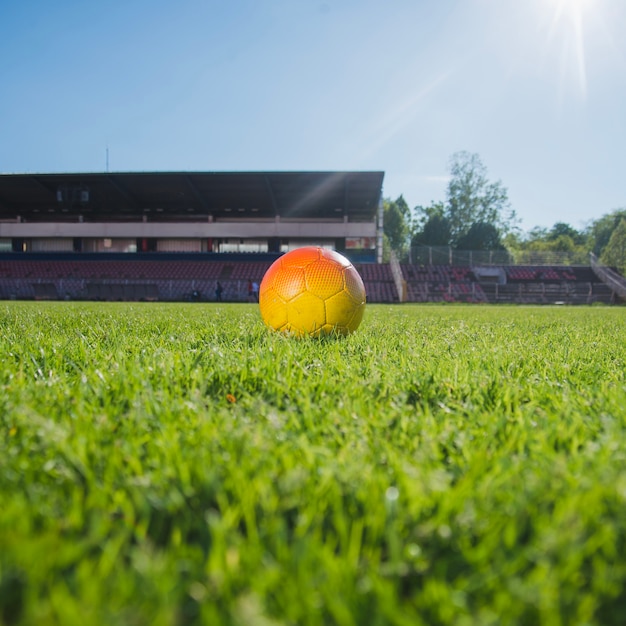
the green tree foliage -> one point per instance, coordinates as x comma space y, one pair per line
561, 229
473, 199
425, 213
435, 232
614, 254
562, 241
397, 224
481, 236
431, 226
475, 215
601, 230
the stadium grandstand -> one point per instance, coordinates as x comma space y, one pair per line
174, 235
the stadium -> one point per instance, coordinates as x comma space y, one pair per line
172, 236
166, 459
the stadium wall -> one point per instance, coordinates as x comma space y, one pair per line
283, 229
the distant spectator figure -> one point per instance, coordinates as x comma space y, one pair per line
218, 291
255, 291
250, 291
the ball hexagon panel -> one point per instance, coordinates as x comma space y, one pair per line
274, 308
329, 329
306, 314
354, 284
324, 278
300, 257
331, 255
343, 310
289, 282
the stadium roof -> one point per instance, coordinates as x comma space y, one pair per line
196, 195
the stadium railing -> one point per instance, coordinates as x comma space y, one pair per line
609, 276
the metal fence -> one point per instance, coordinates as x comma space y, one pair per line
609, 277
398, 279
444, 255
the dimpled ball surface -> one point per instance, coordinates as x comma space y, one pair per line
312, 291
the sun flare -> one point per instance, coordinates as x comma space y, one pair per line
567, 26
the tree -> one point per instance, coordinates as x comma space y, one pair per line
436, 232
396, 224
601, 230
538, 233
431, 226
561, 229
614, 254
481, 236
472, 199
559, 242
562, 243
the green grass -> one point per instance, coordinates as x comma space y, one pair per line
443, 465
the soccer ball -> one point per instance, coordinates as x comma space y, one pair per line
312, 291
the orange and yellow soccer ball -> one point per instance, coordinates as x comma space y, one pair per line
312, 291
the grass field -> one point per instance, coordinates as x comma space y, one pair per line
180, 464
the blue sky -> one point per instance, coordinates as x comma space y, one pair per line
536, 87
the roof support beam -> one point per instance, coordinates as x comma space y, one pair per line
198, 196
346, 191
270, 193
123, 191
45, 186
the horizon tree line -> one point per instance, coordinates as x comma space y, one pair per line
477, 215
